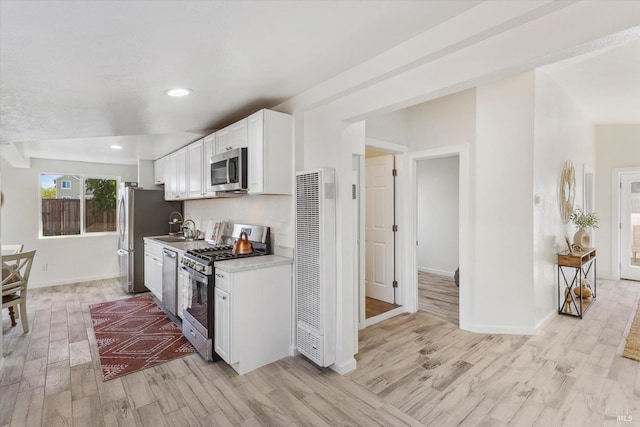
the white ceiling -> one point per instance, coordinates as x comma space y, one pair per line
78, 76
605, 83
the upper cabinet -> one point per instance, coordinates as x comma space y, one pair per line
181, 173
169, 175
234, 136
175, 180
195, 183
270, 148
268, 136
209, 142
158, 170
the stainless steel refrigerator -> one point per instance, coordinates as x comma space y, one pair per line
141, 213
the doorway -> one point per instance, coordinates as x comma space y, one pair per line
437, 237
380, 228
630, 226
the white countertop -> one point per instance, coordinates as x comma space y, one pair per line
182, 247
251, 263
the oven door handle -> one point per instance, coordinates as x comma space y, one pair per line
195, 277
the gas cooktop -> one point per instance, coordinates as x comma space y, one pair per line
218, 253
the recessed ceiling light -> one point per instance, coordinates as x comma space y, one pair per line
178, 92
116, 147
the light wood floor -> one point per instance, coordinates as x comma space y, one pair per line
439, 296
375, 307
412, 370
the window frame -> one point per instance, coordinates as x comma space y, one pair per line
83, 178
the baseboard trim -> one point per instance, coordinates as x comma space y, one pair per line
546, 320
436, 271
384, 316
71, 281
344, 367
501, 330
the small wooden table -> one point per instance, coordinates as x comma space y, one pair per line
580, 265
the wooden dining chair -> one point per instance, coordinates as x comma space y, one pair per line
11, 249
15, 278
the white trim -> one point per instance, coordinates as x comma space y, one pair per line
436, 271
404, 295
386, 146
616, 178
548, 317
82, 180
344, 367
362, 259
462, 151
499, 329
384, 316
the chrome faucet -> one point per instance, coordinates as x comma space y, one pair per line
189, 232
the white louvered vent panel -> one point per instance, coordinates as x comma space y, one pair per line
308, 250
316, 265
310, 345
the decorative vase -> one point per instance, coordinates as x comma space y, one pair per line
584, 289
582, 238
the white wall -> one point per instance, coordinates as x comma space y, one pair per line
434, 64
390, 127
503, 215
438, 214
446, 121
274, 211
562, 132
69, 259
617, 146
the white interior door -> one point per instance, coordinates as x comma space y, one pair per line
379, 236
630, 226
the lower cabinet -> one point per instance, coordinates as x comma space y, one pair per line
253, 316
222, 329
184, 288
153, 274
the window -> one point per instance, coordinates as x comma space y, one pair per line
73, 205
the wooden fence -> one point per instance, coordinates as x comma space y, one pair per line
61, 217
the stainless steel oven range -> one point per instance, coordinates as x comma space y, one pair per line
198, 316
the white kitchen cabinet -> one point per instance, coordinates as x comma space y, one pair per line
170, 177
194, 167
269, 152
222, 322
153, 269
181, 174
209, 143
175, 170
184, 288
158, 170
233, 136
253, 313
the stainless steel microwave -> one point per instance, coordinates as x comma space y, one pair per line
229, 170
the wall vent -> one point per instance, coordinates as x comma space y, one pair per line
316, 265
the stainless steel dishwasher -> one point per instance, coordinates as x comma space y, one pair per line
170, 281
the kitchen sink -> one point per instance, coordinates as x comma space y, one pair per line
174, 239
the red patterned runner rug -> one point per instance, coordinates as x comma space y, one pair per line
134, 334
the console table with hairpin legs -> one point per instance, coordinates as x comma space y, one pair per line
574, 269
